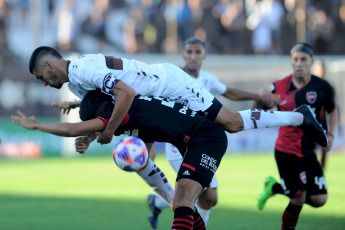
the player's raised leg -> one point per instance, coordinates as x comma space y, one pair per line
256, 119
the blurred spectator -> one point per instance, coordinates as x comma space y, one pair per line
233, 21
322, 27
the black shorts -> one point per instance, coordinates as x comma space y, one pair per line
204, 152
300, 174
212, 112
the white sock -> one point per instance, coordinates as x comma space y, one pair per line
205, 214
161, 204
156, 179
257, 119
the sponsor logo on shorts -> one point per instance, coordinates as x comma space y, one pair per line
186, 173
208, 162
303, 177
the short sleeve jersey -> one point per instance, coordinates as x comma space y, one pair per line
211, 83
91, 71
158, 119
318, 94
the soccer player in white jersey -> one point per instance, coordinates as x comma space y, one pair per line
194, 53
124, 79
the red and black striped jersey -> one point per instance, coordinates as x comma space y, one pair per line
318, 94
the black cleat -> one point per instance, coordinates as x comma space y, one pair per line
312, 126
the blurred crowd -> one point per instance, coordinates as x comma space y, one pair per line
150, 26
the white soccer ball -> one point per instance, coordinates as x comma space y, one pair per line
130, 154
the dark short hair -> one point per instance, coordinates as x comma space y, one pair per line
302, 47
194, 40
40, 52
94, 103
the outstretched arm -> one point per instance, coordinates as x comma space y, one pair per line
59, 129
267, 100
124, 96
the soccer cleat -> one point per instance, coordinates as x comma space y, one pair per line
267, 192
312, 126
154, 211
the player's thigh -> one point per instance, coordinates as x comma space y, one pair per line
293, 175
316, 181
204, 154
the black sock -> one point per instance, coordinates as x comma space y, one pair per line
199, 223
183, 218
290, 216
277, 189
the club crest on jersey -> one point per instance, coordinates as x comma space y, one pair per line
311, 96
303, 177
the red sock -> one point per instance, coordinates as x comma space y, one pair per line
199, 223
290, 216
183, 218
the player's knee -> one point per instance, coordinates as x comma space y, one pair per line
208, 199
318, 200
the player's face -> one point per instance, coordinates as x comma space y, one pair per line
193, 55
301, 63
49, 78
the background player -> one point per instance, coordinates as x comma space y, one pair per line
302, 178
194, 53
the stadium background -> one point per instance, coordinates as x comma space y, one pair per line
54, 192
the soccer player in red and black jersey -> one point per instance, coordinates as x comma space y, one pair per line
302, 178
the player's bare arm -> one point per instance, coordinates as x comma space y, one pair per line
66, 106
266, 93
59, 129
267, 100
333, 118
124, 95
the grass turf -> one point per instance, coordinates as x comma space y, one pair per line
92, 193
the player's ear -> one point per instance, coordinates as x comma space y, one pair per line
205, 55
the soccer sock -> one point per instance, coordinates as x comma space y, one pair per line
183, 218
199, 223
257, 118
160, 203
290, 216
205, 214
156, 179
277, 189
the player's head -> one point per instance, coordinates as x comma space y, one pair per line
44, 63
93, 104
302, 59
194, 53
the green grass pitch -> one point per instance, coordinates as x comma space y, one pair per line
92, 193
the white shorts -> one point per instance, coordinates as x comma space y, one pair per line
184, 89
175, 159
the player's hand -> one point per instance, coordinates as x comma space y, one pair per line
105, 137
270, 100
22, 120
64, 106
81, 144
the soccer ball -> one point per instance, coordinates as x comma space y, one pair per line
130, 154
